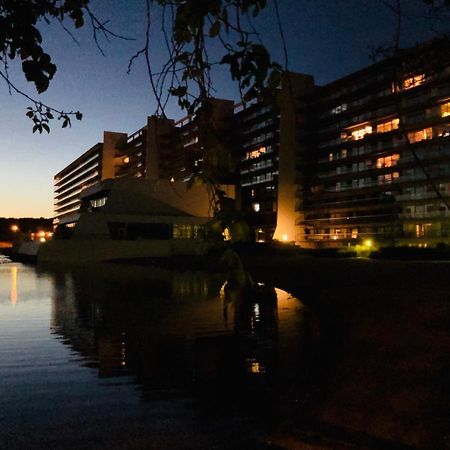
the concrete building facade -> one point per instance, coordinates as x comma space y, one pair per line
85, 171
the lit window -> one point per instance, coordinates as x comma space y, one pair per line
421, 135
420, 230
255, 153
445, 109
256, 207
126, 160
359, 133
414, 81
388, 177
388, 161
409, 83
339, 109
98, 202
183, 231
330, 157
387, 126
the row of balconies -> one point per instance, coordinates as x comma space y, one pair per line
346, 137
429, 102
77, 183
379, 89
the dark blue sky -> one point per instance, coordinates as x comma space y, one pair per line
325, 38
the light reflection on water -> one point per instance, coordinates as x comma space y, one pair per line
108, 343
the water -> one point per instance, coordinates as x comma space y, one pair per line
131, 357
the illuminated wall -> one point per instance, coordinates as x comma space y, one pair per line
292, 124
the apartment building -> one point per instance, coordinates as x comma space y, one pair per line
378, 157
269, 139
85, 171
364, 159
162, 149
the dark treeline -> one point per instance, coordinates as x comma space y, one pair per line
25, 225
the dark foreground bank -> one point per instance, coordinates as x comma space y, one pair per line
386, 326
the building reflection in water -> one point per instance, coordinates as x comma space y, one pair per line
178, 333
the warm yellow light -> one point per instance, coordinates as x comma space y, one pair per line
285, 237
335, 238
13, 285
445, 109
126, 160
413, 81
14, 228
41, 234
42, 239
226, 234
260, 237
368, 243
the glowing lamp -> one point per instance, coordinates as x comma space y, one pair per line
368, 243
284, 238
14, 228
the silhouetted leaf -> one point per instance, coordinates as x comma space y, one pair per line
215, 29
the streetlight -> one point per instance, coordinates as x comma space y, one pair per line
15, 228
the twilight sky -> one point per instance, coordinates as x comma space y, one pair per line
326, 38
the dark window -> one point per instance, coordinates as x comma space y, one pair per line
133, 231
149, 231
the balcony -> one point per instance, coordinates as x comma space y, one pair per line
425, 215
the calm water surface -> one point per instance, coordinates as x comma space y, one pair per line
130, 357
